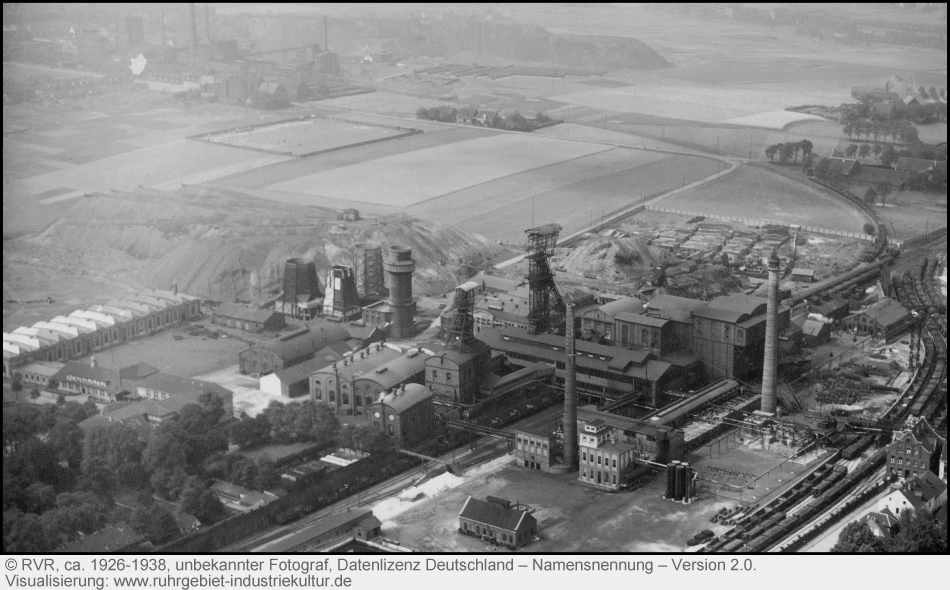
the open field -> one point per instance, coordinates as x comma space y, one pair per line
189, 356
166, 167
296, 168
773, 120
461, 205
756, 193
909, 221
303, 137
697, 103
413, 177
577, 205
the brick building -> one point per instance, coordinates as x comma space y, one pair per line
495, 520
534, 448
602, 457
405, 413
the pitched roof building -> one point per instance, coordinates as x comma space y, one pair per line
497, 521
249, 319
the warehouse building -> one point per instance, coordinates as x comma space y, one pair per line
405, 413
603, 372
886, 319
496, 521
37, 374
455, 375
601, 321
286, 351
351, 386
245, 318
97, 328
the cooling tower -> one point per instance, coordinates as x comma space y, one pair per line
368, 266
341, 301
300, 281
399, 268
770, 366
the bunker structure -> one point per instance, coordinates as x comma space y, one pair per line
341, 302
302, 296
369, 273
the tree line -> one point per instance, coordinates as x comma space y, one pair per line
511, 122
789, 151
916, 532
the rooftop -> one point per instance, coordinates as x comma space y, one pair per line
406, 397
494, 515
108, 540
886, 312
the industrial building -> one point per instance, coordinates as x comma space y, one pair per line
915, 451
601, 321
351, 386
302, 296
295, 381
651, 442
886, 319
603, 372
495, 520
249, 319
97, 328
405, 413
534, 448
281, 353
603, 458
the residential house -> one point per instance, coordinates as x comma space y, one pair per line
116, 538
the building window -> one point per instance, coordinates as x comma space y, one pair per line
615, 465
318, 394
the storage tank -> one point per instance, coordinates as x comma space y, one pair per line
400, 268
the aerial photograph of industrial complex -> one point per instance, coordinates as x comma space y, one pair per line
474, 278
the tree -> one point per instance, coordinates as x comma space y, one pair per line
823, 168
919, 532
885, 189
922, 92
851, 151
422, 113
155, 524
434, 113
869, 229
16, 386
77, 512
250, 432
112, 455
933, 93
204, 505
856, 537
864, 151
52, 385
66, 439
878, 150
23, 533
870, 196
34, 393
807, 148
889, 156
770, 152
169, 482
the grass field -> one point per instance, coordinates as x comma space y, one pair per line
697, 103
303, 137
759, 194
773, 120
413, 177
580, 204
164, 166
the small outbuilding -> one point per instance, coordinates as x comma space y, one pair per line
496, 521
249, 319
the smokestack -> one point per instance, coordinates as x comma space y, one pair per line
207, 23
164, 35
570, 392
194, 29
770, 366
326, 34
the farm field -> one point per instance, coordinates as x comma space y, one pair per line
575, 206
459, 206
303, 137
773, 120
295, 168
694, 102
413, 177
165, 166
756, 193
910, 221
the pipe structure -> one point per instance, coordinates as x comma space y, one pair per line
770, 366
